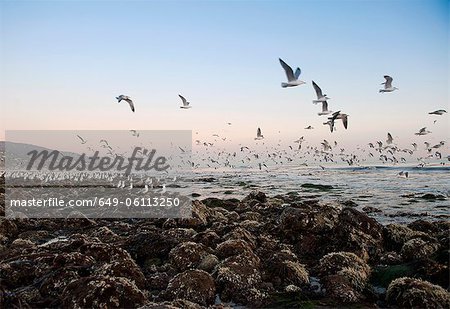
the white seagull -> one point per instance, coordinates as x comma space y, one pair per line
423, 131
389, 138
185, 102
258, 134
320, 97
388, 84
338, 115
82, 140
325, 110
291, 77
127, 99
438, 112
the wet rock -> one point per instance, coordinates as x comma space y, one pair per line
391, 258
233, 247
200, 216
251, 215
284, 268
317, 186
396, 235
238, 279
208, 263
370, 209
194, 285
8, 227
138, 245
432, 271
240, 233
102, 292
431, 196
187, 255
105, 234
356, 232
344, 275
213, 202
415, 293
208, 238
309, 218
349, 203
258, 196
339, 288
417, 248
424, 226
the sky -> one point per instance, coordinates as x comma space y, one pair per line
62, 63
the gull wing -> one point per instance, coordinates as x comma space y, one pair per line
324, 106
335, 115
185, 102
389, 137
388, 83
289, 73
258, 132
345, 121
130, 102
297, 73
318, 90
82, 140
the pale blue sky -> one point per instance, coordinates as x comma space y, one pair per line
63, 62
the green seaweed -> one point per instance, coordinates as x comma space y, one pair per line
383, 275
317, 186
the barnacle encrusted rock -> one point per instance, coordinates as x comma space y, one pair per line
102, 292
194, 285
344, 275
417, 248
187, 255
415, 293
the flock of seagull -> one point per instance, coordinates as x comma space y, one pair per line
293, 80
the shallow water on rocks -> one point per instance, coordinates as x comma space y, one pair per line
379, 191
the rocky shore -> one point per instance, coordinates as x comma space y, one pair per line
267, 252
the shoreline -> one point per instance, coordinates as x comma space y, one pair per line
261, 251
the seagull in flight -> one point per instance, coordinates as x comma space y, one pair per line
325, 110
127, 99
258, 134
438, 112
309, 128
185, 102
389, 138
338, 115
320, 97
388, 85
422, 131
82, 140
291, 77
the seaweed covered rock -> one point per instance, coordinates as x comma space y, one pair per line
238, 279
310, 218
356, 232
417, 248
233, 247
187, 255
102, 292
415, 293
285, 269
396, 235
344, 274
193, 285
